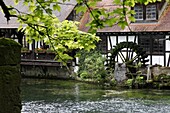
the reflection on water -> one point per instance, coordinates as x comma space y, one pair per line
57, 96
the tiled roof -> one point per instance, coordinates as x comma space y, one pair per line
62, 15
163, 23
107, 4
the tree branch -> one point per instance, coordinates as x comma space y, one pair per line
43, 8
5, 10
50, 40
124, 12
85, 2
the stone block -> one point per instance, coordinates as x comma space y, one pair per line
10, 52
10, 79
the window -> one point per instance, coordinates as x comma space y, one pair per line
139, 12
151, 44
151, 12
102, 45
145, 13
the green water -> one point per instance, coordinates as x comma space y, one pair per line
59, 96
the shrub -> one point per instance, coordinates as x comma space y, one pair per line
91, 66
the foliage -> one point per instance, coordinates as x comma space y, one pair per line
39, 23
62, 36
92, 66
8, 42
49, 50
41, 11
135, 80
161, 77
102, 17
129, 83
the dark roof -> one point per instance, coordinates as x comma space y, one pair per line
62, 15
163, 24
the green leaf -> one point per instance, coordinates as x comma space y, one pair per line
48, 10
32, 8
56, 7
81, 9
117, 1
92, 3
131, 12
111, 22
16, 2
132, 19
123, 24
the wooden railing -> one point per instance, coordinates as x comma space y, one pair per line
37, 55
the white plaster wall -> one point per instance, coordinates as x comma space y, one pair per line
148, 58
37, 44
167, 57
167, 44
158, 60
113, 41
167, 49
30, 46
131, 39
122, 39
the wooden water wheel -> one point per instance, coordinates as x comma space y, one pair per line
129, 53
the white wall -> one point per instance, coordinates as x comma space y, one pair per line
158, 60
122, 39
167, 44
113, 41
132, 38
167, 57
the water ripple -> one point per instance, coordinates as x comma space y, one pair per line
114, 105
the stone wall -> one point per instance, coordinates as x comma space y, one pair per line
158, 70
10, 79
56, 72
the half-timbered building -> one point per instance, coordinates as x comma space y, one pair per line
151, 31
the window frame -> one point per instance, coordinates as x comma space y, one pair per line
152, 45
155, 11
144, 13
139, 12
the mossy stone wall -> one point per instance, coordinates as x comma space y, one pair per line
10, 101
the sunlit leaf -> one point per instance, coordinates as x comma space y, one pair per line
56, 7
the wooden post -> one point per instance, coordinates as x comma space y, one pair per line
168, 61
10, 53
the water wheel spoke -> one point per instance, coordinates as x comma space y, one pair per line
131, 55
122, 56
134, 58
127, 57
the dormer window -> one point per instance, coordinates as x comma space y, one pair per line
151, 12
145, 13
139, 12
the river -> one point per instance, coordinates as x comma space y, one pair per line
61, 96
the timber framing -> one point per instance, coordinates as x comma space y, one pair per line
133, 33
